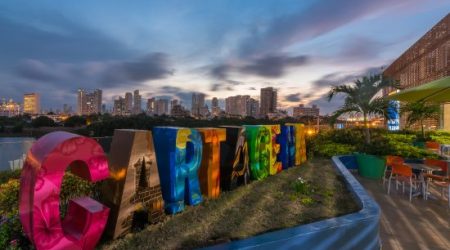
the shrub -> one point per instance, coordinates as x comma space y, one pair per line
10, 227
43, 121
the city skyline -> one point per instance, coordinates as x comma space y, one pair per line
221, 48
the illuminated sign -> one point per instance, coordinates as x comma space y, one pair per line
40, 185
179, 155
148, 172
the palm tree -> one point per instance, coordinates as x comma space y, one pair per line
420, 111
360, 99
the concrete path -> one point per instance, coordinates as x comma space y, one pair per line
408, 225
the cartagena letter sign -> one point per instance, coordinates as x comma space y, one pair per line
275, 165
209, 173
259, 139
234, 162
41, 181
300, 145
179, 155
134, 182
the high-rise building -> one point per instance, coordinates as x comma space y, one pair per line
128, 103
9, 108
151, 103
252, 108
89, 102
301, 110
268, 101
198, 105
237, 105
31, 104
215, 109
177, 110
162, 107
426, 60
119, 106
137, 108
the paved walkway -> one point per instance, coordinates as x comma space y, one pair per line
408, 225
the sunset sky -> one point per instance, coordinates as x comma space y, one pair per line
220, 48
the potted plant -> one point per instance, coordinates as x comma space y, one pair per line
417, 113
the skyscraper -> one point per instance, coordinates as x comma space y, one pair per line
89, 102
198, 105
237, 105
252, 108
119, 106
31, 103
268, 101
151, 106
128, 102
137, 108
162, 107
215, 109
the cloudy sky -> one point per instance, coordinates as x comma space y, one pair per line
221, 48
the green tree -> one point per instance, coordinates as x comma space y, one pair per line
75, 121
43, 121
418, 112
359, 98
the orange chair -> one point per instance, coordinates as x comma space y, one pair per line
432, 145
402, 174
390, 160
441, 180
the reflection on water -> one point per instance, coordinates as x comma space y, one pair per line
13, 151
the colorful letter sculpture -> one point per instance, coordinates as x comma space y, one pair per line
134, 182
41, 181
287, 146
209, 173
300, 145
275, 165
179, 154
234, 168
259, 141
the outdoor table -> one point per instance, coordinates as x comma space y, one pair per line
423, 168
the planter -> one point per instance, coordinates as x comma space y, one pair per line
419, 144
370, 166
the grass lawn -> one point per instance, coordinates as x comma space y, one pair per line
280, 201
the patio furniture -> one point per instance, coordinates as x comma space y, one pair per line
443, 185
432, 146
440, 177
402, 173
390, 159
370, 166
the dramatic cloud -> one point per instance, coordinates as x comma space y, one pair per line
153, 66
338, 78
268, 66
317, 19
225, 84
56, 38
361, 48
150, 67
273, 66
293, 97
37, 70
220, 71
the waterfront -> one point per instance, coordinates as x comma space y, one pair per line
13, 151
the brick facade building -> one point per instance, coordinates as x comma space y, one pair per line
426, 60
